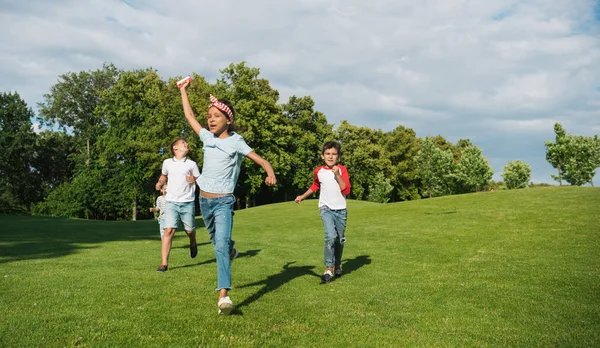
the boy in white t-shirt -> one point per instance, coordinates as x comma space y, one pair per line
334, 182
179, 198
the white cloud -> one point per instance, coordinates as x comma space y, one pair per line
458, 68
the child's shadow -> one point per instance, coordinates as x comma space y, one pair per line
351, 265
273, 282
248, 253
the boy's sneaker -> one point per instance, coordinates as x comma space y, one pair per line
162, 268
338, 272
225, 305
233, 254
326, 277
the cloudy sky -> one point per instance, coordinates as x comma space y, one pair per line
499, 72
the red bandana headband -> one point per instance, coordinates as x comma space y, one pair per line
222, 107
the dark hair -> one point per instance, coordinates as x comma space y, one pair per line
332, 145
175, 142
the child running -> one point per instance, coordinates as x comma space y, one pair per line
160, 208
223, 153
179, 199
334, 182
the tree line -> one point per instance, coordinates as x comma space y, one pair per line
113, 129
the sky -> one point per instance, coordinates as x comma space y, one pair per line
498, 72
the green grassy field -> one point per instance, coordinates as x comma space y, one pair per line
508, 268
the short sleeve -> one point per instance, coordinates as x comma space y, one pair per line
195, 170
243, 148
165, 169
204, 134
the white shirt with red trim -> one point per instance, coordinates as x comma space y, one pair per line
331, 194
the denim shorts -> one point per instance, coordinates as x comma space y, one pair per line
180, 211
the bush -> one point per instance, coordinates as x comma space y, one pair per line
381, 191
516, 174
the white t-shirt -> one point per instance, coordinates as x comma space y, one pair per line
179, 190
331, 194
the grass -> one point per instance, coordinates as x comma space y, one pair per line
508, 268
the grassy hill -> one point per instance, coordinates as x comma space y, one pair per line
507, 268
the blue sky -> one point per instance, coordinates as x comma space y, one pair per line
498, 72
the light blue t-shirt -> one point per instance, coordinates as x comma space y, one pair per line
222, 161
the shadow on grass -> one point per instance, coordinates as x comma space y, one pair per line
38, 237
351, 265
248, 253
273, 282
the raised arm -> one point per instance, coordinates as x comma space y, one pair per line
270, 180
187, 108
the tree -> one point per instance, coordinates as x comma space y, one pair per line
516, 174
473, 171
364, 156
380, 190
435, 167
126, 148
575, 157
72, 102
582, 159
556, 152
309, 131
401, 146
52, 162
17, 141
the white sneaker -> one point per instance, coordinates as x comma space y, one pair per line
225, 305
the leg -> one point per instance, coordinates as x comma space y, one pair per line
188, 218
223, 225
170, 223
330, 236
340, 227
166, 245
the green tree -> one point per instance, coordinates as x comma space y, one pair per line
127, 148
473, 172
582, 159
435, 168
516, 175
381, 190
401, 146
364, 156
556, 152
52, 162
72, 102
17, 141
309, 131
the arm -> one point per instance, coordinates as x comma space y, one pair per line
338, 177
303, 196
270, 180
187, 109
161, 182
342, 178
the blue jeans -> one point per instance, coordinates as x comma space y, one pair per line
217, 214
334, 222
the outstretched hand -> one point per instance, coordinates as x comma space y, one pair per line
298, 199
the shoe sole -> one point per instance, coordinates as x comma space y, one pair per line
235, 255
225, 308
